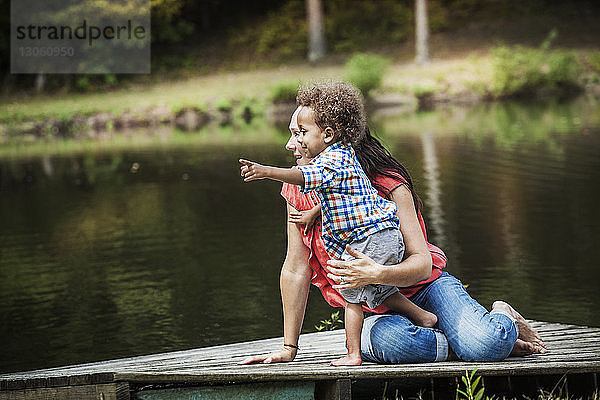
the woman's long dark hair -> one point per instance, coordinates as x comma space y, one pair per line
377, 160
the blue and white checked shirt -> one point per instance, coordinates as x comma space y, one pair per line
350, 206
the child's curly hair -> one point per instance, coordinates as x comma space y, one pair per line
338, 105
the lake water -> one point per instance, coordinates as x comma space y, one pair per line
114, 253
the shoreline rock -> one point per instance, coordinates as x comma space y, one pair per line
193, 118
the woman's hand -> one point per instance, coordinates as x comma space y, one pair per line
286, 354
354, 273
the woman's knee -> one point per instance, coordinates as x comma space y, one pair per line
393, 339
492, 342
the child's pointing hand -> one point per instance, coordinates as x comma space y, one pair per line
251, 171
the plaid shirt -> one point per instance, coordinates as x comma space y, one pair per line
351, 208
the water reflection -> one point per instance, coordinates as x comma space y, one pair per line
116, 253
508, 125
434, 190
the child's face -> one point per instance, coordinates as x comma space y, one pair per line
312, 138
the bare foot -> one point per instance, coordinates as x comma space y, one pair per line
349, 359
425, 319
523, 348
526, 331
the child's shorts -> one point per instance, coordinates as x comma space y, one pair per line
384, 247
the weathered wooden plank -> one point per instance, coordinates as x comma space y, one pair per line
110, 391
339, 389
239, 349
567, 344
285, 372
310, 364
566, 352
575, 341
258, 391
568, 333
552, 328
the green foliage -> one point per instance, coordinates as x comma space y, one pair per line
92, 82
333, 323
284, 33
248, 108
167, 24
366, 71
471, 391
83, 84
110, 79
347, 21
438, 16
224, 105
590, 64
523, 71
593, 60
175, 64
424, 89
284, 92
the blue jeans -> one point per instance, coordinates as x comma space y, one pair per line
473, 333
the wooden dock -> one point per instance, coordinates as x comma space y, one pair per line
571, 364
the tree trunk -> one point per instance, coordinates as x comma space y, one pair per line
40, 82
316, 30
421, 32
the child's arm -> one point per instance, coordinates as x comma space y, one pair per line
252, 171
308, 218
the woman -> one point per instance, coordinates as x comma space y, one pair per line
466, 329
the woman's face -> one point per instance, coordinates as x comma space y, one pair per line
292, 144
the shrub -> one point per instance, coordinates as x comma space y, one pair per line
284, 92
248, 109
224, 105
591, 65
593, 60
366, 71
523, 71
83, 84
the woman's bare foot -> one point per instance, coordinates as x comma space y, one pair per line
527, 334
348, 359
523, 348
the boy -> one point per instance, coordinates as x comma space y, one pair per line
331, 117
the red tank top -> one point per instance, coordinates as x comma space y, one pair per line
318, 256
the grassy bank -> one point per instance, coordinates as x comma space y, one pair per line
461, 78
198, 91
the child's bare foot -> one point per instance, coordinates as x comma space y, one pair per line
425, 319
526, 332
348, 359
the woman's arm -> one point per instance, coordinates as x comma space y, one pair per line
415, 267
294, 282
